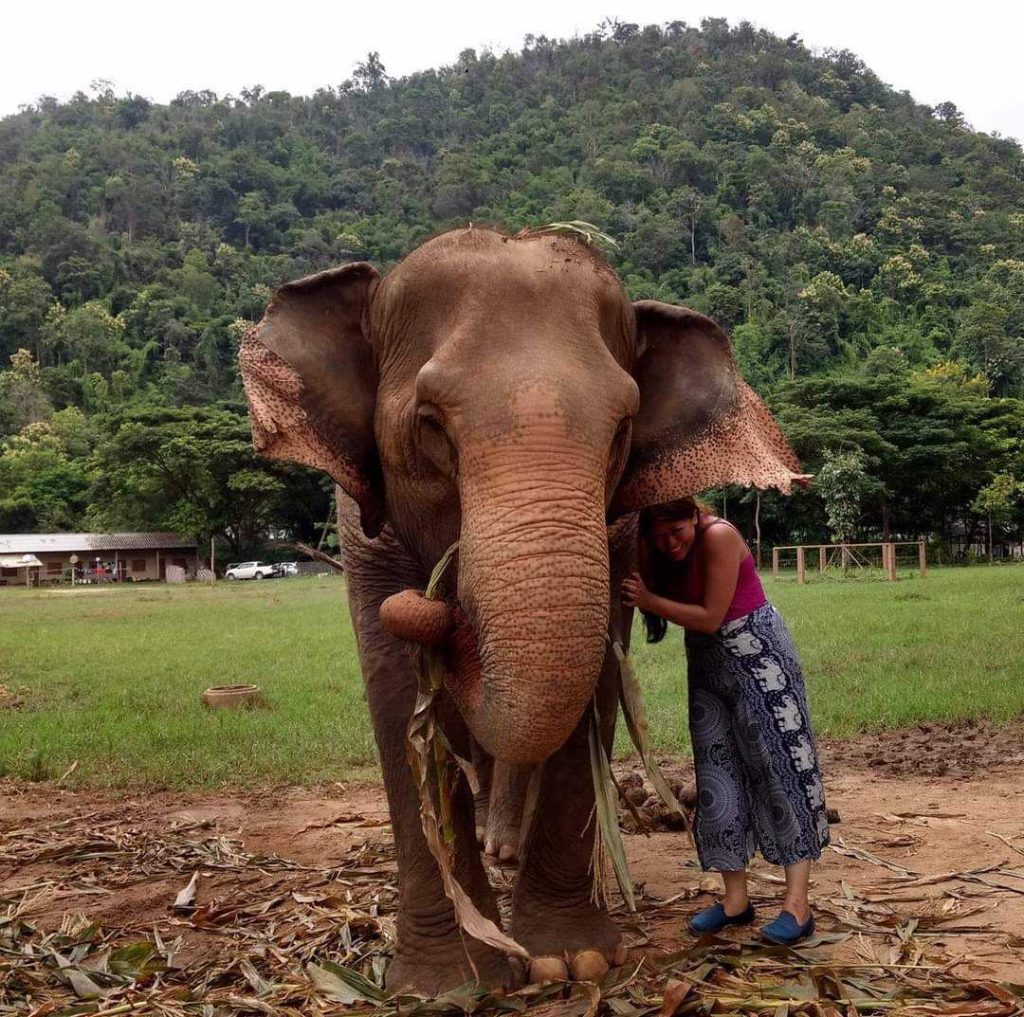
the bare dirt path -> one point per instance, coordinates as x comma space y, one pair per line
926, 868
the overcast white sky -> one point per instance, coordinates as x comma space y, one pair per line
968, 53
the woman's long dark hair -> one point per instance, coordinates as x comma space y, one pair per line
656, 569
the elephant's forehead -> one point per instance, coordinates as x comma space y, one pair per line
475, 246
477, 280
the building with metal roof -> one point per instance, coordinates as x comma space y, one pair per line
94, 557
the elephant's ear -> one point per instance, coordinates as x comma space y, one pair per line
699, 425
311, 380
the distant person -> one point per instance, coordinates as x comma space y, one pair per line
758, 780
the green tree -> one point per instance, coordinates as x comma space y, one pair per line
983, 335
89, 335
22, 399
195, 471
842, 483
253, 214
25, 299
41, 487
996, 501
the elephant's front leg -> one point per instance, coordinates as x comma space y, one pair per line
553, 912
431, 954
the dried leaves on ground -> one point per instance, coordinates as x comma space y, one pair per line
247, 933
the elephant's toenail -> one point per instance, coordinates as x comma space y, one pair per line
548, 969
589, 966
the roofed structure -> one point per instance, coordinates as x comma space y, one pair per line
19, 561
36, 558
32, 543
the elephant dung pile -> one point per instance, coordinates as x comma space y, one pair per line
642, 810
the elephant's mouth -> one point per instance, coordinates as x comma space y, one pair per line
463, 671
443, 625
519, 701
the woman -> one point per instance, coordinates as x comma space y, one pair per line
758, 780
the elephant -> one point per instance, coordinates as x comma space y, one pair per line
501, 391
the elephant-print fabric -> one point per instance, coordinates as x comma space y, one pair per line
759, 784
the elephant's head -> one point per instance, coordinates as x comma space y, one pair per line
505, 392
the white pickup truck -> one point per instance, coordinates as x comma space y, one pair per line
251, 570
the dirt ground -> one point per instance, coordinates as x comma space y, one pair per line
926, 865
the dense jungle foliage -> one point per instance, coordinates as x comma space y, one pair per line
865, 251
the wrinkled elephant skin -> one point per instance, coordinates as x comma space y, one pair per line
502, 392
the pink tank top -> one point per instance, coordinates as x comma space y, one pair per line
749, 595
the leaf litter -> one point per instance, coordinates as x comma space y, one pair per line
278, 937
283, 938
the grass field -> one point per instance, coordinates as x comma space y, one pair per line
111, 677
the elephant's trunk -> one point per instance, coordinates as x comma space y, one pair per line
533, 583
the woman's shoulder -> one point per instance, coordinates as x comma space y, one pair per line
722, 537
712, 527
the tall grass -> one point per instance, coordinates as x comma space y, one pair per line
112, 677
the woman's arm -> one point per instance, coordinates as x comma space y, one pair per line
723, 551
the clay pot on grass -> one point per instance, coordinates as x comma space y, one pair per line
232, 697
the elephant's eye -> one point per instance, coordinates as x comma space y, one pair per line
433, 440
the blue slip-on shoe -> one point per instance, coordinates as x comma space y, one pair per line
786, 930
714, 919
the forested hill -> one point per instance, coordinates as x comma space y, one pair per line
866, 252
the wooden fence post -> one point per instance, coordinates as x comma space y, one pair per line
800, 570
922, 558
757, 528
822, 558
846, 557
775, 563
889, 560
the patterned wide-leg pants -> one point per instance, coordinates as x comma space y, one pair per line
758, 779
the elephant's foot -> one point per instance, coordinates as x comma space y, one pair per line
440, 965
570, 931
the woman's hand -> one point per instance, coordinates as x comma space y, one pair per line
634, 593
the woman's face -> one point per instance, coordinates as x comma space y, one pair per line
674, 538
